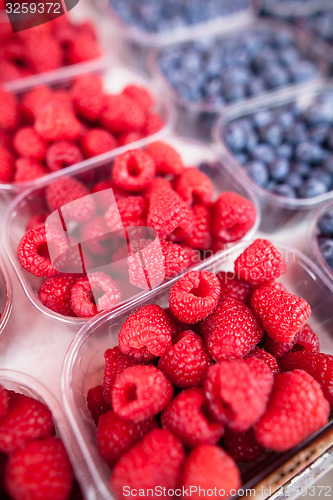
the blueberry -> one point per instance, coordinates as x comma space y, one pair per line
234, 91
326, 248
276, 76
325, 223
258, 172
235, 137
303, 70
323, 176
302, 169
312, 188
286, 119
241, 158
289, 55
262, 118
278, 169
256, 86
263, 153
297, 133
318, 133
319, 113
284, 151
285, 190
309, 152
294, 180
272, 134
328, 164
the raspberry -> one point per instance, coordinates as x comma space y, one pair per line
128, 138
242, 446
201, 237
115, 363
27, 169
154, 122
5, 140
146, 334
122, 114
186, 362
66, 193
154, 462
63, 154
146, 263
42, 52
208, 467
260, 262
296, 409
188, 419
237, 391
318, 365
9, 111
281, 314
132, 211
88, 97
85, 293
194, 296
233, 217
93, 235
266, 357
6, 165
133, 170
116, 435
167, 160
83, 48
26, 419
28, 143
4, 401
56, 123
231, 331
177, 258
34, 100
195, 187
28, 250
304, 340
167, 211
271, 284
140, 95
97, 141
140, 392
55, 293
39, 471
233, 287
96, 403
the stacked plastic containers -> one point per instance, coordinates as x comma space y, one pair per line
5, 296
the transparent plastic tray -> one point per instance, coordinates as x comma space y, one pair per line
31, 203
277, 210
199, 117
313, 246
115, 79
25, 384
293, 8
5, 296
84, 364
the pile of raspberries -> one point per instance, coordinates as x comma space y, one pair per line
143, 189
228, 373
47, 130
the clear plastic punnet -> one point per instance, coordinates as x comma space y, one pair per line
71, 252
277, 210
313, 242
270, 475
293, 8
5, 296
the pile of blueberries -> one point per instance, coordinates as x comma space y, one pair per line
322, 25
325, 236
287, 150
163, 15
219, 71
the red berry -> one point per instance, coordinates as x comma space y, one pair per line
242, 446
231, 331
28, 143
266, 357
177, 258
140, 392
167, 160
56, 123
42, 52
96, 403
63, 154
6, 165
115, 362
9, 111
133, 170
122, 114
27, 169
83, 48
94, 236
146, 334
145, 263
88, 97
233, 287
296, 409
260, 262
195, 187
34, 100
201, 236
97, 141
55, 293
66, 193
4, 401
194, 296
128, 138
39, 471
140, 95
281, 314
237, 391
132, 211
153, 123
304, 340
186, 362
95, 293
233, 217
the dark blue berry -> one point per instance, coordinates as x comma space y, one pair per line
312, 188
325, 223
278, 169
326, 248
258, 172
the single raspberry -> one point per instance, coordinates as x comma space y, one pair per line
122, 114
233, 287
154, 462
5, 140
195, 187
83, 48
186, 362
42, 52
94, 293
296, 409
55, 293
115, 435
145, 262
4, 401
242, 446
177, 258
153, 124
6, 165
94, 237
318, 365
9, 111
281, 314
56, 123
29, 248
63, 154
115, 363
260, 262
41, 470
28, 143
66, 194
133, 170
88, 97
132, 211
146, 334
187, 417
271, 284
237, 391
167, 160
201, 237
61, 99
233, 217
96, 403
97, 141
28, 169
9, 71
208, 467
266, 357
194, 296
128, 138
25, 419
231, 331
140, 392
304, 340
140, 95
34, 100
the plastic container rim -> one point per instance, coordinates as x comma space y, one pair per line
9, 296
313, 240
